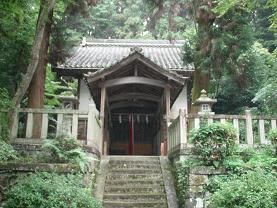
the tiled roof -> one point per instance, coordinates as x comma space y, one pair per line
101, 54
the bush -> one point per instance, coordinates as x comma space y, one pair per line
5, 103
245, 159
47, 190
272, 136
7, 152
253, 189
64, 149
213, 142
181, 181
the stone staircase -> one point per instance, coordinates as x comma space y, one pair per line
133, 182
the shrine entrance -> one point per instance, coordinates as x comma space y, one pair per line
134, 97
133, 134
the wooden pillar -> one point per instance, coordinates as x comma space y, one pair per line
167, 115
102, 117
167, 102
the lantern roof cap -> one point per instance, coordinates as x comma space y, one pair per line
204, 99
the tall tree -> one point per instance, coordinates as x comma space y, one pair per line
36, 88
219, 45
17, 28
46, 10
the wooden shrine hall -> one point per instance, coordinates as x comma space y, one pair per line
137, 87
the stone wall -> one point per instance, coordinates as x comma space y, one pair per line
197, 179
34, 146
10, 172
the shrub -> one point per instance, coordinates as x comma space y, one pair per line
272, 136
181, 181
49, 190
65, 149
7, 152
245, 159
254, 189
5, 103
213, 142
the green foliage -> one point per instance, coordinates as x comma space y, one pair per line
55, 88
65, 149
136, 19
51, 89
254, 189
49, 190
5, 103
272, 136
255, 86
17, 28
5, 100
7, 152
245, 159
224, 6
181, 181
214, 142
250, 181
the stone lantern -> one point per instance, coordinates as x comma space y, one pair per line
69, 102
204, 103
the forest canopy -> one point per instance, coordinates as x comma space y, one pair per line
232, 43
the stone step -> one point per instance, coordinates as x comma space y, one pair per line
116, 176
134, 189
133, 158
134, 165
138, 162
122, 182
137, 204
135, 197
136, 171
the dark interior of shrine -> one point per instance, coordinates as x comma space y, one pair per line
133, 132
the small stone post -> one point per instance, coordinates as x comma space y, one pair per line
249, 128
14, 127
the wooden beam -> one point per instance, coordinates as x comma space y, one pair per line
133, 80
132, 95
132, 104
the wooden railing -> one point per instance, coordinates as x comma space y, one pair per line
84, 125
250, 130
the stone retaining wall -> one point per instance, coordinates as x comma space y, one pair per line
197, 179
9, 172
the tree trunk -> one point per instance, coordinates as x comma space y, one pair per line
156, 16
201, 81
38, 54
205, 18
36, 89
